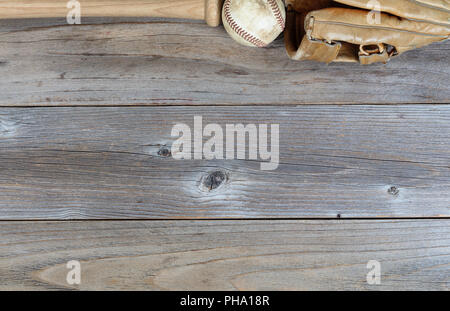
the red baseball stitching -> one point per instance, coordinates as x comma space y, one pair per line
278, 15
236, 28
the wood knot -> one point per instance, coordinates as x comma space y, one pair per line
164, 152
393, 191
213, 181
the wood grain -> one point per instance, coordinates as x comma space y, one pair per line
115, 163
161, 62
226, 255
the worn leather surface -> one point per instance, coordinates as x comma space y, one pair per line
350, 30
254, 22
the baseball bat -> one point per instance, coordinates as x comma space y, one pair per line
207, 10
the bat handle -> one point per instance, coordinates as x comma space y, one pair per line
213, 12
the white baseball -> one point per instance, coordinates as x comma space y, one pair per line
254, 22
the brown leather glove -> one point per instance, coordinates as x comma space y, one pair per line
356, 30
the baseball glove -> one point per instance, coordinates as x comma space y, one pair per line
364, 31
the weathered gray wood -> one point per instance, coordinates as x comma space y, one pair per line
45, 62
226, 255
335, 161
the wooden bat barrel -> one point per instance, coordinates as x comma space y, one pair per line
208, 10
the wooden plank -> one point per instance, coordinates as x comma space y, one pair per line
154, 62
114, 163
226, 255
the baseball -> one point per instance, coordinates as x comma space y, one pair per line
254, 23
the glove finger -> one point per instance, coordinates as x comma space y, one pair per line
432, 11
352, 25
308, 5
391, 36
